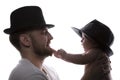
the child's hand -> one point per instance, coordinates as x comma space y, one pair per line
60, 53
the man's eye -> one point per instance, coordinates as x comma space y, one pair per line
44, 32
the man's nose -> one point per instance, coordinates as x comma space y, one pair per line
50, 36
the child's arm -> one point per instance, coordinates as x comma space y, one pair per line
77, 58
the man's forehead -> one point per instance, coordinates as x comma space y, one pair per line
44, 29
39, 29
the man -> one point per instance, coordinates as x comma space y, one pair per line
29, 35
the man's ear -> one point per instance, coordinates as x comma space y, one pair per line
25, 40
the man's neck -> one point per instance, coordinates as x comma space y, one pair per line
35, 60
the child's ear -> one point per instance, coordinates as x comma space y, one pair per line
25, 40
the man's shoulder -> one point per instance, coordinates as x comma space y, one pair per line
25, 69
25, 66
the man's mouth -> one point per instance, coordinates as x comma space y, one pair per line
47, 44
49, 47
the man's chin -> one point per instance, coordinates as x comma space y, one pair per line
50, 51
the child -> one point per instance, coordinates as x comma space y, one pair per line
96, 40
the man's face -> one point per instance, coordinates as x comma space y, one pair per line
40, 41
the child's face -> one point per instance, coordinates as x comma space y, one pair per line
87, 42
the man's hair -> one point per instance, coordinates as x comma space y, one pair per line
15, 38
15, 41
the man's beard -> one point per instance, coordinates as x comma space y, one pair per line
41, 51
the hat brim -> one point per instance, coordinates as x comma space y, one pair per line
78, 31
49, 25
10, 30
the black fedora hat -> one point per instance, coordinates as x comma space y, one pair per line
26, 18
100, 33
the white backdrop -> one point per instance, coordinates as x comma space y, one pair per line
64, 14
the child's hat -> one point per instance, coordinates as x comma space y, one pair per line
98, 32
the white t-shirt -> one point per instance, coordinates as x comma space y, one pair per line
50, 73
25, 70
